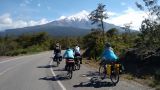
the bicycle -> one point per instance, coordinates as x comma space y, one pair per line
77, 62
70, 67
112, 70
57, 60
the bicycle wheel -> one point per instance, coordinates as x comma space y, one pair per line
70, 72
102, 71
114, 77
78, 65
58, 62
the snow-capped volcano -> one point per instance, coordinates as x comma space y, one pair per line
81, 16
79, 20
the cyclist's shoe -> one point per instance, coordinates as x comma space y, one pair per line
81, 61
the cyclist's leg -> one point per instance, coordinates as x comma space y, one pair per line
80, 59
72, 65
66, 65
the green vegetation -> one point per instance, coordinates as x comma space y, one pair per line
30, 43
93, 42
139, 52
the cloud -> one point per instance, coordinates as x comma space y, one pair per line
129, 15
5, 19
6, 22
43, 21
62, 17
111, 13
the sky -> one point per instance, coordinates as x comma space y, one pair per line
22, 13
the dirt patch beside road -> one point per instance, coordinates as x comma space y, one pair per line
3, 58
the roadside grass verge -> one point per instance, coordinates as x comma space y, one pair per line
145, 80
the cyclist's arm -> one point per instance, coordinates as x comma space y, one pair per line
64, 55
103, 54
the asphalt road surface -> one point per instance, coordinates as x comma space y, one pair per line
38, 72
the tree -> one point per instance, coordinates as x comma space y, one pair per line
93, 44
98, 16
113, 31
150, 26
127, 27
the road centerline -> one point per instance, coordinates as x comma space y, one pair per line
59, 82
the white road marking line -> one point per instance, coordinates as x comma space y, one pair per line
59, 82
88, 78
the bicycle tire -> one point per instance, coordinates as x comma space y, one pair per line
70, 72
102, 73
57, 62
114, 77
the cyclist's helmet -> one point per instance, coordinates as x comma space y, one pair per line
107, 45
68, 47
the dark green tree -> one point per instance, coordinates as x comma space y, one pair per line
111, 32
93, 44
98, 16
150, 26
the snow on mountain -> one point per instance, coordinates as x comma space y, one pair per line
79, 20
81, 16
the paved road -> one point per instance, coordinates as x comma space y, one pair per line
37, 72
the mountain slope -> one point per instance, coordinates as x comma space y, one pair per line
57, 31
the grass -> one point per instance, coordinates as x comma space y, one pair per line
91, 63
146, 80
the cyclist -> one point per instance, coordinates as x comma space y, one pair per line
77, 52
57, 51
108, 55
69, 56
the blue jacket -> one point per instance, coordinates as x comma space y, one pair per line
68, 53
109, 54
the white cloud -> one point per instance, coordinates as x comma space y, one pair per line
32, 23
19, 24
62, 17
129, 15
43, 21
6, 22
5, 19
111, 13
39, 22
